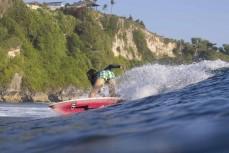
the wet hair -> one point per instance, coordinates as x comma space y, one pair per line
91, 73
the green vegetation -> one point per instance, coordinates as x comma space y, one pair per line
199, 49
110, 24
104, 7
139, 39
4, 5
112, 3
57, 48
51, 55
225, 49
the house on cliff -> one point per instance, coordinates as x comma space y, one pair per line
50, 5
34, 5
85, 4
54, 5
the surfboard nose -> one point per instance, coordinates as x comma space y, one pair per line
52, 106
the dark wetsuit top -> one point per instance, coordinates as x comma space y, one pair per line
112, 66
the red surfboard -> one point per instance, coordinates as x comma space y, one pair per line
80, 105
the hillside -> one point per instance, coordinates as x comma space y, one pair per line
4, 5
45, 54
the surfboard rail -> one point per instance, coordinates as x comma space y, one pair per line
80, 105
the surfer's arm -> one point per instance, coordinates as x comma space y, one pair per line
111, 66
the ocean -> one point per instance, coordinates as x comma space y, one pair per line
168, 109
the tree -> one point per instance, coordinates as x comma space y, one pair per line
67, 5
196, 41
104, 8
142, 23
179, 48
112, 3
226, 48
211, 46
201, 44
130, 18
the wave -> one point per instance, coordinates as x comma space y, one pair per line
28, 110
137, 83
153, 79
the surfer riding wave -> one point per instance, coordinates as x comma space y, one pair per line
98, 79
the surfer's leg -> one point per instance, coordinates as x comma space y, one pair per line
98, 85
111, 84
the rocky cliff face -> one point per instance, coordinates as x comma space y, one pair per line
12, 52
125, 46
14, 93
13, 90
158, 45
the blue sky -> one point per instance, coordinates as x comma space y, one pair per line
176, 19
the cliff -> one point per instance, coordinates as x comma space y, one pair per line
45, 54
4, 5
126, 47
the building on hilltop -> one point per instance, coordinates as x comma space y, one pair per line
59, 4
85, 4
34, 5
50, 5
54, 5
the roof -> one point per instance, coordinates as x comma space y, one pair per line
86, 2
54, 2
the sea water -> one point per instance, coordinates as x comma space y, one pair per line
169, 109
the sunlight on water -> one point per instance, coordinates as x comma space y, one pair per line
152, 79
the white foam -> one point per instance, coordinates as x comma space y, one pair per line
29, 110
152, 79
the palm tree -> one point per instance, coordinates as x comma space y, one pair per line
104, 7
112, 3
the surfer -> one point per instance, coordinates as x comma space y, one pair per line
98, 79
